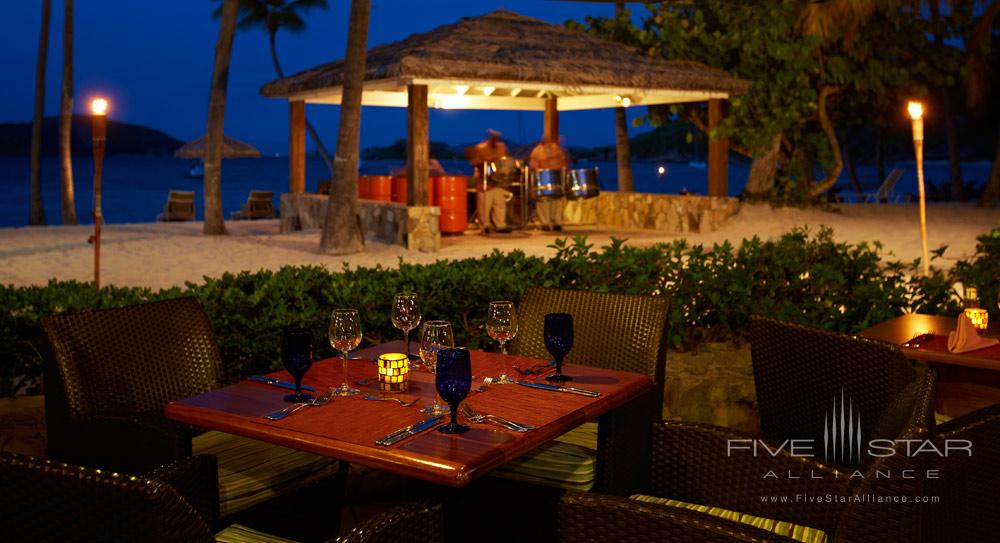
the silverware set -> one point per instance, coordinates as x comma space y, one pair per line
481, 418
282, 413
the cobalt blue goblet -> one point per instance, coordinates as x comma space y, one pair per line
296, 355
453, 378
558, 333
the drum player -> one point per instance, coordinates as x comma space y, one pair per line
550, 155
491, 198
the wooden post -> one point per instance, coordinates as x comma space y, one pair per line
418, 150
718, 153
551, 130
297, 146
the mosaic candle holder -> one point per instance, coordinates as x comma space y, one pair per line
393, 372
979, 317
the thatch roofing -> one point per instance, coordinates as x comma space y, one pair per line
506, 47
231, 148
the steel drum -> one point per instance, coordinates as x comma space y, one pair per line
503, 171
548, 184
583, 184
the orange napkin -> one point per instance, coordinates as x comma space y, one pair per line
965, 338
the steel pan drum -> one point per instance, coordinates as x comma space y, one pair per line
583, 184
547, 184
503, 171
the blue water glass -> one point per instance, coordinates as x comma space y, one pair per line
296, 355
558, 332
453, 378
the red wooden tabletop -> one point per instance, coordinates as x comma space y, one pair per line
904, 328
347, 427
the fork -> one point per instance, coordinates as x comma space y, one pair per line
284, 412
482, 418
397, 400
487, 381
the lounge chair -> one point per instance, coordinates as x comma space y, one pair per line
179, 207
259, 205
883, 194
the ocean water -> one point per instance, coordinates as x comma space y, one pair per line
134, 188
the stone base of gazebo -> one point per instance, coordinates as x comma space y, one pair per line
415, 228
662, 212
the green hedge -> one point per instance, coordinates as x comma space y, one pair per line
802, 277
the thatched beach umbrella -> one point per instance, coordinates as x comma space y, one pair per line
231, 148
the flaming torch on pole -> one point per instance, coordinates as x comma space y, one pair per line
916, 111
99, 109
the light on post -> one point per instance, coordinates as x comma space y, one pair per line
916, 111
99, 118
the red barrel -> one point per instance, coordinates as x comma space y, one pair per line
380, 188
451, 191
364, 187
400, 190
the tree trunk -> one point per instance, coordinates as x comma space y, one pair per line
831, 135
309, 127
215, 222
66, 119
763, 170
991, 192
36, 215
622, 152
341, 230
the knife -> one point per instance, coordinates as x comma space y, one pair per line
410, 430
278, 382
570, 390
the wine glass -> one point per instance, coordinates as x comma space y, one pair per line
345, 335
501, 323
559, 341
406, 316
453, 378
296, 355
434, 338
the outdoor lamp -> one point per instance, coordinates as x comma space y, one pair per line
971, 297
393, 372
99, 109
916, 111
979, 317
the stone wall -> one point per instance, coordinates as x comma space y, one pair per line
415, 228
672, 213
713, 385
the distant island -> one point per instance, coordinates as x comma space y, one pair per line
123, 138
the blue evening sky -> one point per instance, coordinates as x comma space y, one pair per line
154, 61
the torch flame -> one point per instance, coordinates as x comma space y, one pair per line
99, 106
916, 110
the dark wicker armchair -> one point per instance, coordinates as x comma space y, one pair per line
108, 375
614, 331
802, 375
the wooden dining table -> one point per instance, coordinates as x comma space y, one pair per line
347, 427
965, 381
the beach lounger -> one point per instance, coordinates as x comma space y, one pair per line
883, 194
179, 207
259, 205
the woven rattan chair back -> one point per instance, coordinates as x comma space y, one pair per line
131, 360
808, 378
614, 331
42, 500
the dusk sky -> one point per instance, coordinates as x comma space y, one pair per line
153, 60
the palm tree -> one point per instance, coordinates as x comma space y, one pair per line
66, 118
622, 151
214, 221
341, 229
36, 215
273, 15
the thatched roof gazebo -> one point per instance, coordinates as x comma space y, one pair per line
505, 61
231, 148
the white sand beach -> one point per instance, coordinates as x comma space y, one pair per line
166, 255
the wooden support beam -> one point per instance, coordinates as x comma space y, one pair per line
551, 131
297, 147
418, 149
718, 153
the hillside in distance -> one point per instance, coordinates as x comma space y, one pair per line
122, 138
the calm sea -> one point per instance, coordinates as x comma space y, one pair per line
134, 188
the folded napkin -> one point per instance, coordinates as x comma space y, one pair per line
965, 338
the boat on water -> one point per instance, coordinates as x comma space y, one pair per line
696, 164
196, 171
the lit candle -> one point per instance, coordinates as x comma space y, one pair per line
980, 318
916, 111
393, 372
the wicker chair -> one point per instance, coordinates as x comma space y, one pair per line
614, 331
800, 372
109, 373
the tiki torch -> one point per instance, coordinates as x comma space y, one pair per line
99, 109
916, 110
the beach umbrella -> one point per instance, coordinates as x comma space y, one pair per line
231, 148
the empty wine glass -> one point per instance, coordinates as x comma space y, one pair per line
435, 337
453, 378
559, 341
501, 323
296, 355
406, 316
345, 335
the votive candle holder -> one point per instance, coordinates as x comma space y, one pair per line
393, 372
